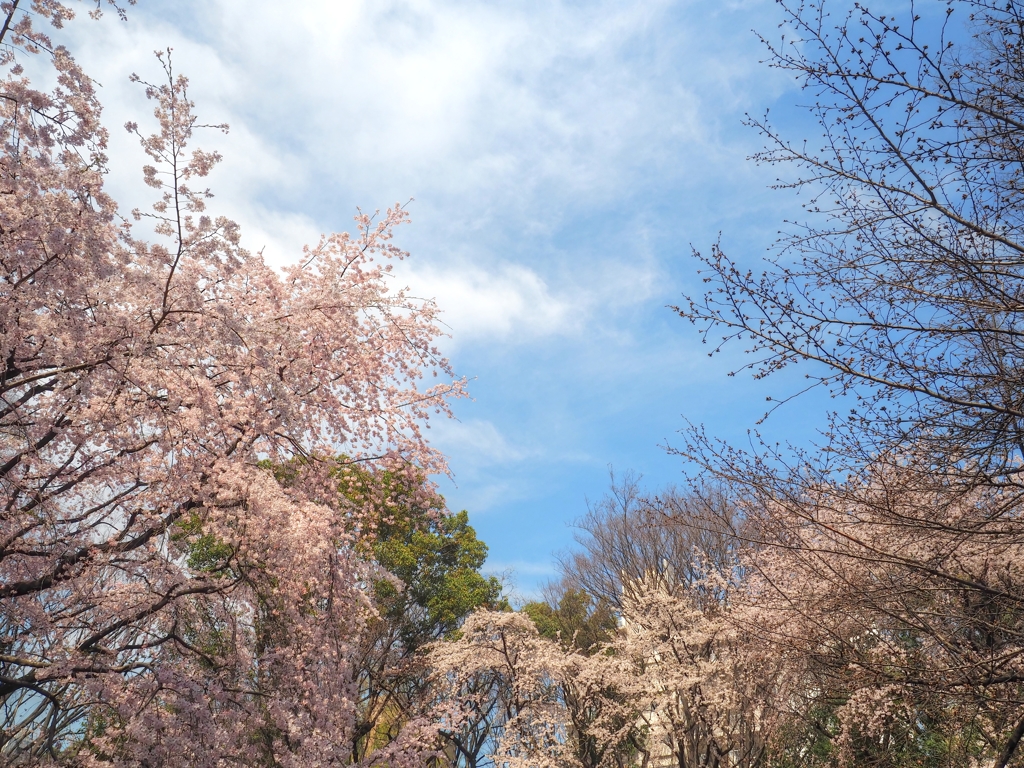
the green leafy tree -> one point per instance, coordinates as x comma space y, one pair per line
437, 564
579, 622
427, 581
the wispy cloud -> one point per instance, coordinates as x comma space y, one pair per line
512, 116
510, 302
562, 155
480, 438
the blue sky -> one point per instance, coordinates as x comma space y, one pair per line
563, 157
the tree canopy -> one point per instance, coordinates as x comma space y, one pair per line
220, 543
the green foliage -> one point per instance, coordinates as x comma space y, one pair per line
438, 563
434, 557
432, 582
203, 551
579, 622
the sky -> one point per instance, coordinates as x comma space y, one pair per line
563, 159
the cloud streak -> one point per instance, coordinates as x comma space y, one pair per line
562, 155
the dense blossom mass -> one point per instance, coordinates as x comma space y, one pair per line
887, 566
220, 545
166, 597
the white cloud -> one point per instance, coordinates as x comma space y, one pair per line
504, 120
508, 114
509, 302
561, 154
477, 438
